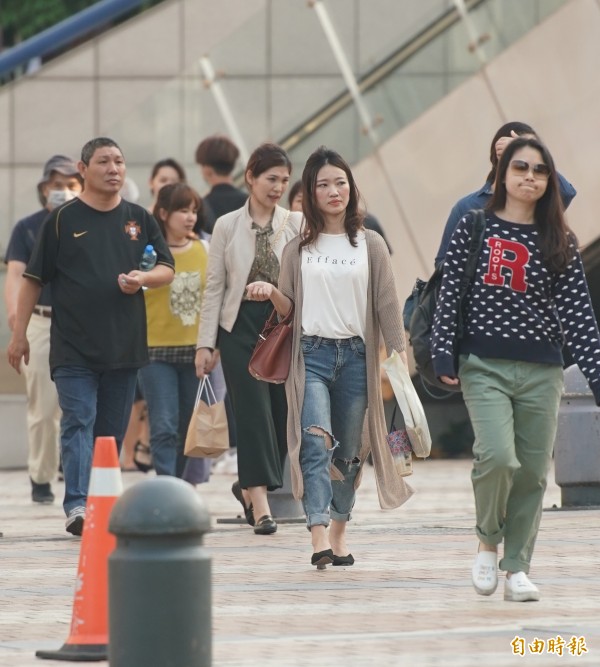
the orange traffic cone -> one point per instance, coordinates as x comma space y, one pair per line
88, 640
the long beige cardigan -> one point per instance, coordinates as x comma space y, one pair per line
383, 314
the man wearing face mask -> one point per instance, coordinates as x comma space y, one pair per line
60, 183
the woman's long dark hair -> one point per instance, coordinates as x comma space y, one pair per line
315, 222
556, 240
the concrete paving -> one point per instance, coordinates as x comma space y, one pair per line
407, 601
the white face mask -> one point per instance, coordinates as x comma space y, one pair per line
57, 197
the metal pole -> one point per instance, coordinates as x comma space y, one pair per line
210, 81
475, 38
345, 69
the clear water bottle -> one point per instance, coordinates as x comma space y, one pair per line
149, 257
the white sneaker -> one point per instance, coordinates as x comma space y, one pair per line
484, 574
520, 589
226, 464
74, 522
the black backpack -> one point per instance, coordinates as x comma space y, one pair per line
420, 307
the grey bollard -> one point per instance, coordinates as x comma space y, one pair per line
577, 445
159, 577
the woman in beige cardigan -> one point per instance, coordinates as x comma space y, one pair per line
246, 246
338, 275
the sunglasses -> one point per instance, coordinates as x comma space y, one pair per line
539, 170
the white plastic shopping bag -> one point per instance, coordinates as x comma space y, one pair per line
410, 405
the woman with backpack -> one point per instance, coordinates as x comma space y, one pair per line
480, 198
528, 297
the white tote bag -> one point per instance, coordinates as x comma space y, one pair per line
410, 405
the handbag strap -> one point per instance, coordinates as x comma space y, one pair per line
272, 321
288, 317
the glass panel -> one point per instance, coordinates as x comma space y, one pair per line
342, 134
431, 73
547, 7
245, 53
274, 83
289, 97
305, 50
505, 22
508, 20
249, 103
378, 37
403, 97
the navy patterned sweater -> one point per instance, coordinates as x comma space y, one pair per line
515, 308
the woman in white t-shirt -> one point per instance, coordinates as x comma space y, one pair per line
338, 276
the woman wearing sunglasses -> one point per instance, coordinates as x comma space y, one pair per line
528, 298
480, 198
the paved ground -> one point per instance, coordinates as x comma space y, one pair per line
407, 601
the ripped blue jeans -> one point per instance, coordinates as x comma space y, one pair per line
335, 401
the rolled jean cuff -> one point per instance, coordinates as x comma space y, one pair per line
317, 520
336, 516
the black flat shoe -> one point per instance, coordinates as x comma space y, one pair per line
322, 558
343, 560
236, 489
142, 457
265, 525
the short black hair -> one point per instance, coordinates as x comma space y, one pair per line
92, 146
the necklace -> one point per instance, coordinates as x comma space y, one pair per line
179, 245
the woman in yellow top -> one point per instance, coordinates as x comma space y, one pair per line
134, 451
169, 381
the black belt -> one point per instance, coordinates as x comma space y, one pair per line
43, 311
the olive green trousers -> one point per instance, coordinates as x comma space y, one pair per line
513, 407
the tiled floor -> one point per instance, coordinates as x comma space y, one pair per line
407, 601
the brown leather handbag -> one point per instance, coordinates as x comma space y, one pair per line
270, 361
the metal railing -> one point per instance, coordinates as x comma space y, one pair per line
375, 75
65, 33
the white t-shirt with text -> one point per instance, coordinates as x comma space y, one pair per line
335, 278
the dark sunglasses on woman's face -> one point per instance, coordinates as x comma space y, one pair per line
539, 170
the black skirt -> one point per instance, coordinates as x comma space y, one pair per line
260, 408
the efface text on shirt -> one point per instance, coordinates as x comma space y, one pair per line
335, 278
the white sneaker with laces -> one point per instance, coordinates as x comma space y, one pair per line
485, 572
520, 589
74, 522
